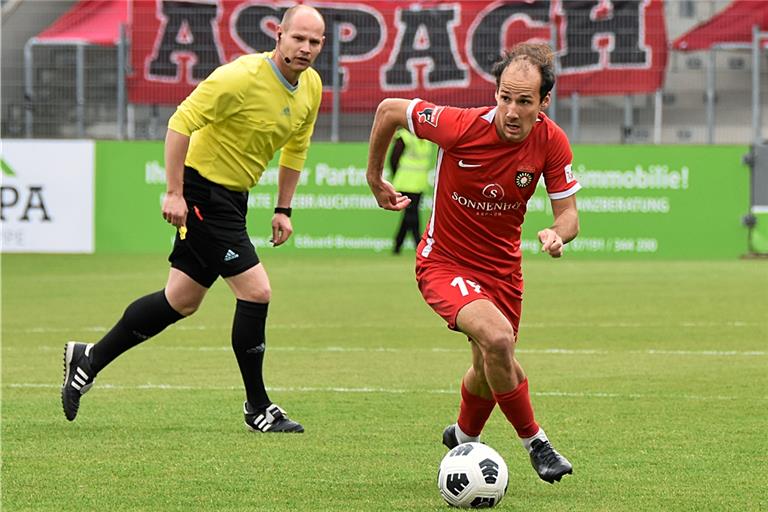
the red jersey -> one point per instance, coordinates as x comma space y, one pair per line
483, 184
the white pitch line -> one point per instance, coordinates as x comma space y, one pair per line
373, 390
704, 352
460, 350
339, 325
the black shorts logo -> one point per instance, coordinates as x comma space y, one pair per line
523, 179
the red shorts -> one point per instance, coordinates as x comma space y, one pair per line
447, 288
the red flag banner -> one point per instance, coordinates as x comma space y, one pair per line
437, 50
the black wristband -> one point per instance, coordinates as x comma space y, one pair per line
284, 211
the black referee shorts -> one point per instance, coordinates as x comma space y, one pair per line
217, 242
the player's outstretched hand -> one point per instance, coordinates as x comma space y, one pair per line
551, 242
387, 197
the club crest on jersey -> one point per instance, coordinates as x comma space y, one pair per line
523, 179
429, 115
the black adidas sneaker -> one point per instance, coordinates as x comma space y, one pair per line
271, 419
78, 376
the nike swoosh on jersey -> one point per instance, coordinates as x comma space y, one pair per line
462, 163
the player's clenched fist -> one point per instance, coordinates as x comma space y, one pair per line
387, 197
551, 242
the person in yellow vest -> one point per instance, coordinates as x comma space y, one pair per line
411, 160
218, 145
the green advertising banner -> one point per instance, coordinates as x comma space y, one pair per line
681, 202
672, 202
333, 207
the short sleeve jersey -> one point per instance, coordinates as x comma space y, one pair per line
242, 114
483, 184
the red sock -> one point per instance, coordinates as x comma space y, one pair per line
474, 412
516, 406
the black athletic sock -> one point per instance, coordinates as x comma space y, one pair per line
142, 319
248, 342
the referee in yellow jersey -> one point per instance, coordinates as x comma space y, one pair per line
218, 144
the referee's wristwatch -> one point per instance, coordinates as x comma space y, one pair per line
284, 211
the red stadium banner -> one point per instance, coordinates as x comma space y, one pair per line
441, 51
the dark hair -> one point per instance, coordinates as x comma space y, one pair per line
539, 55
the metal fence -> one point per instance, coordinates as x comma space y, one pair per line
77, 91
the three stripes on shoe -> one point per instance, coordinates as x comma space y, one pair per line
80, 379
266, 420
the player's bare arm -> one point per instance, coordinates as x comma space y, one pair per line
174, 206
390, 115
287, 181
563, 230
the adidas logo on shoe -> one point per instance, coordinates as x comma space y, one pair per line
271, 419
78, 376
231, 255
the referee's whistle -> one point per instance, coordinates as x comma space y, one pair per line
183, 232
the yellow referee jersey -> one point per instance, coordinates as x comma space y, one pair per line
242, 114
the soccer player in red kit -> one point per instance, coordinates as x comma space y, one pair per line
468, 261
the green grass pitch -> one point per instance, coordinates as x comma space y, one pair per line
652, 377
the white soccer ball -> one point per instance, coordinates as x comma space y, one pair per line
473, 475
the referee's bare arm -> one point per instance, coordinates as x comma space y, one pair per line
174, 206
287, 181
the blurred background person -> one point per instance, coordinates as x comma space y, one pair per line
411, 161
